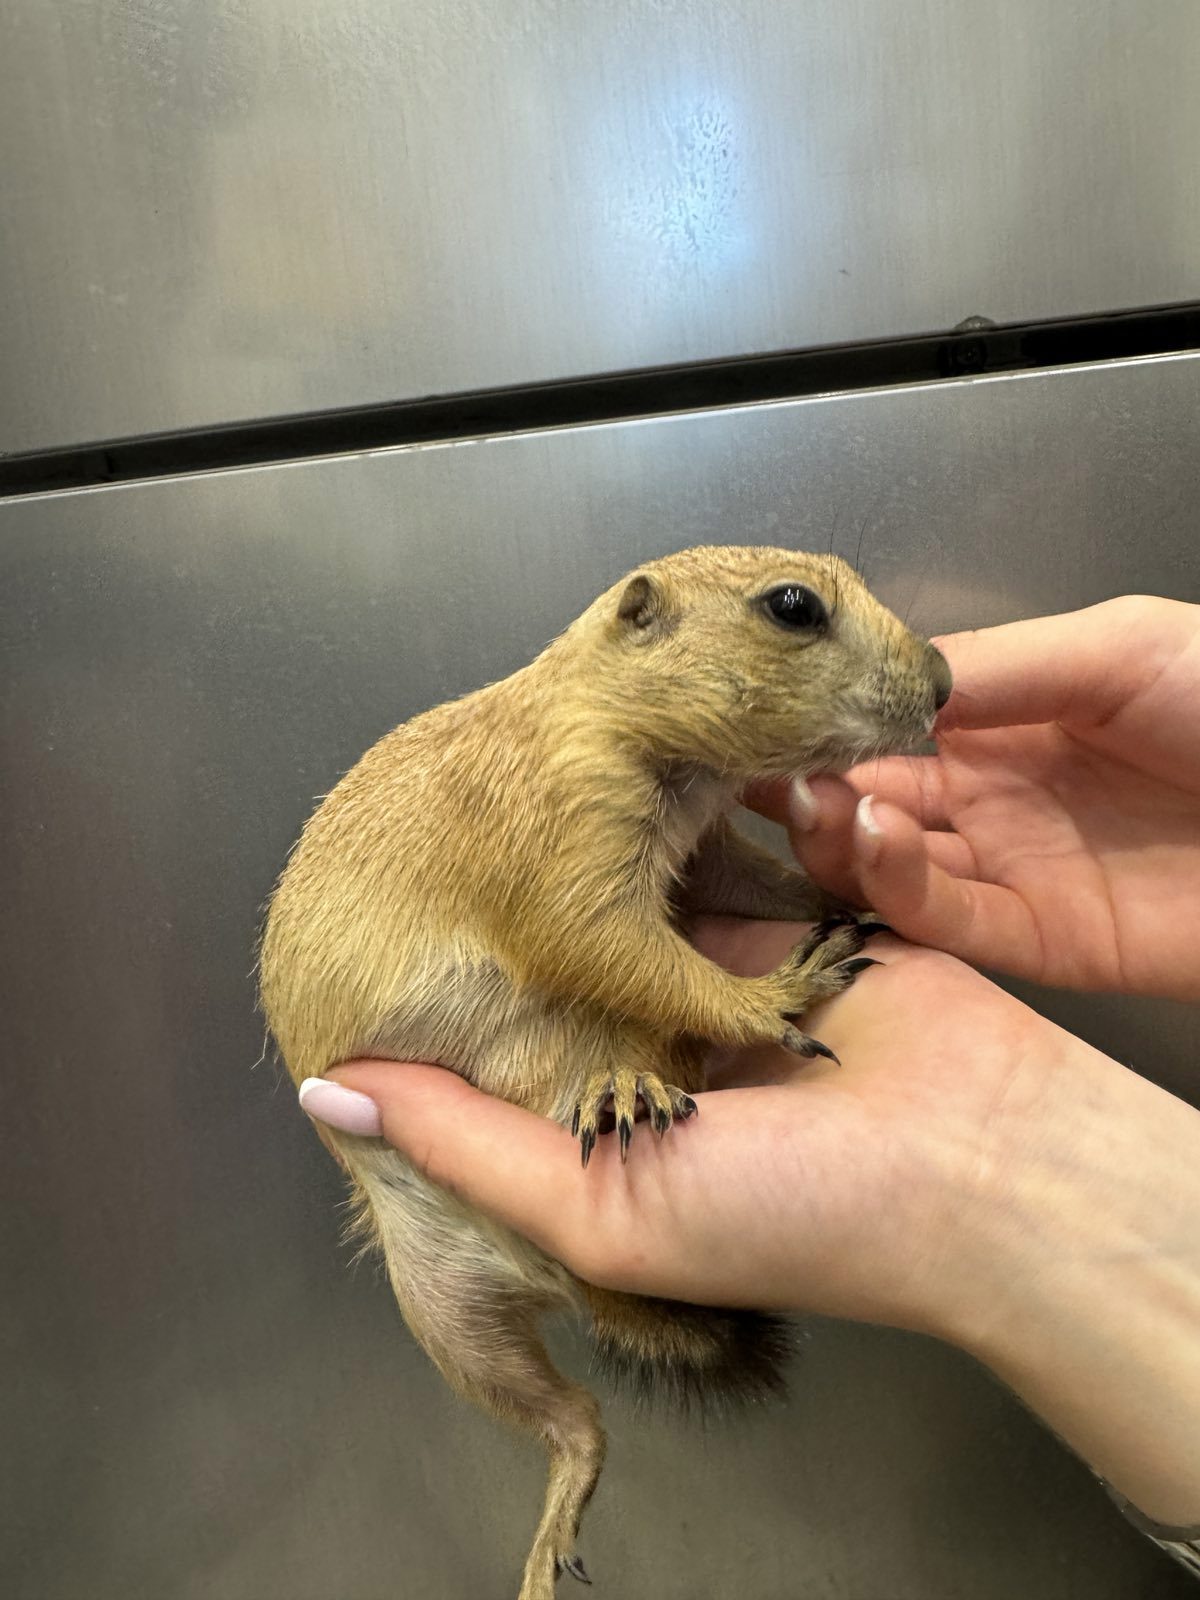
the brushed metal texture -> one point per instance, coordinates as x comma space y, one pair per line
216, 211
199, 1399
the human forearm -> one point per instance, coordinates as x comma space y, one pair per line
1086, 1298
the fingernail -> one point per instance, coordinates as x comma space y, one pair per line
868, 826
866, 817
801, 807
341, 1108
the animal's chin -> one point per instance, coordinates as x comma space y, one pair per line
870, 744
871, 739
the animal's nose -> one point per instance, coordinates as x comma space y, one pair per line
941, 676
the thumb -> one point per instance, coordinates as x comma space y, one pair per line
608, 1225
490, 1153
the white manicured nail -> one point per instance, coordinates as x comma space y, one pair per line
801, 807
867, 820
341, 1108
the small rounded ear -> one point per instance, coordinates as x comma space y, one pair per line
641, 603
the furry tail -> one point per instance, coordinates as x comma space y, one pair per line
689, 1356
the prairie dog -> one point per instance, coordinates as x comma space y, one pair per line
497, 887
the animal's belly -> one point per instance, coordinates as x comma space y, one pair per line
515, 1043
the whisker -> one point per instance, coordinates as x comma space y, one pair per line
862, 528
924, 573
837, 511
871, 510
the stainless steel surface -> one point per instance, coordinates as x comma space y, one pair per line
214, 210
201, 1401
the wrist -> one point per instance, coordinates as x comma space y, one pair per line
1076, 1276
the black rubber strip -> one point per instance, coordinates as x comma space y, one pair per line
971, 350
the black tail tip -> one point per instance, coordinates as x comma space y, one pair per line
735, 1359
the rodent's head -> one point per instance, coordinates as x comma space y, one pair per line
758, 661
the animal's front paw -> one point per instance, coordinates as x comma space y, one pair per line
823, 965
618, 1096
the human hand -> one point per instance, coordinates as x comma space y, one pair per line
1056, 833
988, 1179
850, 1191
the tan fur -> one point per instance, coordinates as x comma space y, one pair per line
496, 887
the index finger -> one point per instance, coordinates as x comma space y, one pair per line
1069, 668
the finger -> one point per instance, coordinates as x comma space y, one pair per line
818, 815
791, 802
771, 798
952, 853
983, 923
832, 853
822, 826
1050, 669
826, 847
917, 784
510, 1163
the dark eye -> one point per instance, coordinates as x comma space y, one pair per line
797, 607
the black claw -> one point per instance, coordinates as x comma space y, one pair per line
870, 929
817, 935
624, 1134
574, 1566
687, 1106
859, 964
802, 1044
575, 1122
587, 1144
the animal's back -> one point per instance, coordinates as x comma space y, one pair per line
381, 937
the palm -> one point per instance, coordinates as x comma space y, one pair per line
1102, 860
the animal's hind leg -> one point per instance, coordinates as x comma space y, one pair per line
473, 1296
493, 1354
504, 1368
567, 1418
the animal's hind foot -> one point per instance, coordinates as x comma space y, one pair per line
546, 1565
617, 1096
